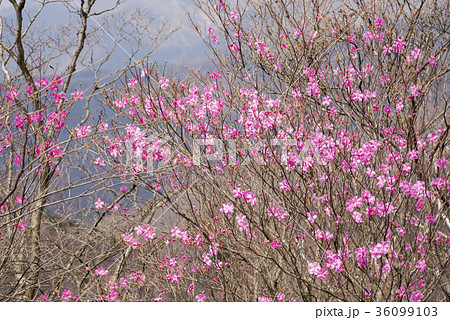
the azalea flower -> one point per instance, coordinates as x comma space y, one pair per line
227, 208
421, 265
201, 297
99, 204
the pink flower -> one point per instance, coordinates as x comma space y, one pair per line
406, 168
432, 60
440, 183
45, 298
328, 236
370, 172
132, 83
123, 282
421, 238
77, 95
326, 101
83, 131
416, 296
138, 278
413, 154
120, 104
201, 297
313, 268
19, 200
238, 193
311, 217
399, 45
99, 204
123, 189
360, 254
430, 218
277, 212
148, 231
432, 138
41, 83
285, 185
58, 81
164, 83
190, 288
414, 90
416, 53
312, 36
18, 160
12, 95
322, 274
296, 93
99, 161
387, 267
421, 265
379, 22
111, 284
318, 234
367, 197
260, 46
112, 296
242, 222
376, 250
401, 292
442, 163
351, 38
66, 295
59, 97
333, 261
275, 244
19, 121
227, 208
214, 38
101, 272
281, 297
173, 277
353, 203
234, 15
385, 79
381, 181
22, 225
250, 197
357, 216
264, 299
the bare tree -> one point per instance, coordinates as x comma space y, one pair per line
30, 51
313, 160
310, 165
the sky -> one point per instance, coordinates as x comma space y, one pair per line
185, 46
183, 49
